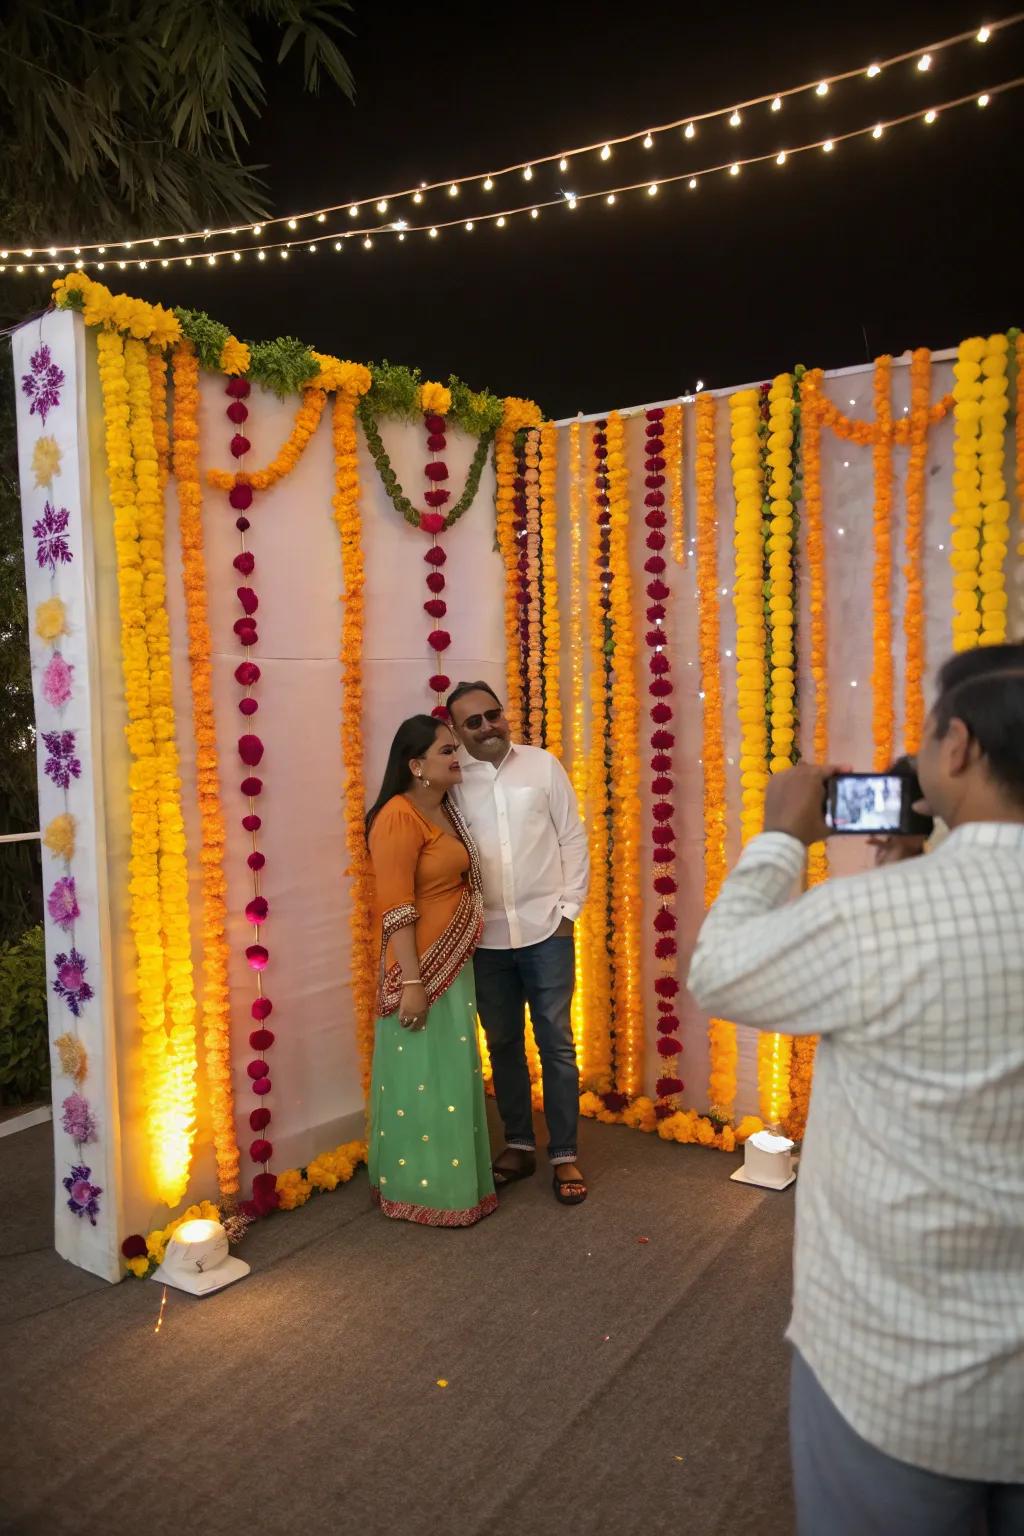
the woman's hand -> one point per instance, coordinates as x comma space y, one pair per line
412, 1010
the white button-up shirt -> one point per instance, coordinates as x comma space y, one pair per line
909, 1268
532, 845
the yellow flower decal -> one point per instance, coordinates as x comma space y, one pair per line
51, 619
59, 836
46, 458
234, 356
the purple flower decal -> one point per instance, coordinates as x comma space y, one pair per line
71, 984
62, 765
57, 681
83, 1196
62, 902
52, 548
78, 1119
42, 384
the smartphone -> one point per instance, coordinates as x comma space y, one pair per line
859, 804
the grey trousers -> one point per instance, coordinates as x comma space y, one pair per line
845, 1487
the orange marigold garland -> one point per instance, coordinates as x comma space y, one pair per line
995, 508
505, 497
672, 425
748, 601
597, 1065
552, 639
307, 420
721, 1034
882, 670
1018, 346
578, 766
811, 420
216, 1008
348, 519
913, 570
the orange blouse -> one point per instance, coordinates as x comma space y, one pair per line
420, 874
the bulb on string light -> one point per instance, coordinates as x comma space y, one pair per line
606, 153
984, 33
353, 211
181, 239
453, 190
877, 131
571, 200
284, 255
257, 229
735, 120
652, 190
236, 256
610, 198
563, 164
80, 264
433, 233
690, 131
930, 116
488, 184
188, 263
528, 173
828, 146
339, 245
700, 385
693, 183
261, 255
321, 218
873, 71
313, 249
924, 63
777, 104
534, 213
102, 250
401, 235
293, 223
983, 100
53, 250
648, 142
78, 250
780, 158
821, 89
734, 169
382, 206
469, 224
367, 244
417, 197
501, 222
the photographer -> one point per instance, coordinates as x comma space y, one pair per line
908, 1320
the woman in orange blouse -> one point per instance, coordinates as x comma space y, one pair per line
429, 1156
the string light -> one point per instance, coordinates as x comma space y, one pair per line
777, 104
417, 197
693, 183
983, 100
821, 89
690, 131
924, 63
433, 232
563, 164
873, 71
321, 218
293, 224
648, 142
528, 173
610, 198
501, 222
734, 169
367, 244
257, 229
606, 152
470, 224
877, 131
488, 185
652, 190
984, 34
930, 117
735, 120
828, 146
780, 158
382, 206
453, 190
534, 213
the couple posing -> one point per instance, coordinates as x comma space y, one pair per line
481, 869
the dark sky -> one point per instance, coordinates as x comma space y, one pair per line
912, 241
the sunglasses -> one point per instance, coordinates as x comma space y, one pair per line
474, 722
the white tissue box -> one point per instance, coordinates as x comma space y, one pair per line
767, 1162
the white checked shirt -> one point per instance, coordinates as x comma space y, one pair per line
909, 1267
532, 845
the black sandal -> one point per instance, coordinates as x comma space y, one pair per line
524, 1167
569, 1191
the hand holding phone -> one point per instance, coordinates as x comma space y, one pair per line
866, 804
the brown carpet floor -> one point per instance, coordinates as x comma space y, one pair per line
596, 1383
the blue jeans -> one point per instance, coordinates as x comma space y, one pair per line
543, 976
845, 1487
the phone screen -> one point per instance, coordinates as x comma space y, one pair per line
866, 802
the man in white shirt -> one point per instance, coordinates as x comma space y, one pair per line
907, 1395
522, 812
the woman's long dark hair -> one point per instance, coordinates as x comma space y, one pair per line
414, 738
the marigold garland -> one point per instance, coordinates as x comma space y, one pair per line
672, 433
552, 638
597, 1058
882, 668
685, 1126
434, 523
721, 1033
534, 649
981, 515
307, 419
811, 420
626, 904
216, 1002
913, 544
348, 520
505, 495
748, 601
578, 765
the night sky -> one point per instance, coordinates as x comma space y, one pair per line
833, 259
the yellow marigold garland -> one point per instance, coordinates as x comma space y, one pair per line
981, 512
578, 765
234, 357
672, 424
814, 515
348, 520
995, 508
519, 414
882, 671
1019, 437
553, 725
505, 474
535, 650
721, 1034
307, 419
216, 1001
626, 906
748, 602
597, 1056
913, 543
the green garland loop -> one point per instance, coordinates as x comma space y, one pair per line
399, 499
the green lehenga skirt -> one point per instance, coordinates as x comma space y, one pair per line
429, 1153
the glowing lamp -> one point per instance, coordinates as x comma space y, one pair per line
767, 1162
197, 1259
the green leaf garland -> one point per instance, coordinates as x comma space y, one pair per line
399, 499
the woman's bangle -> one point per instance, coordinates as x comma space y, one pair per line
414, 981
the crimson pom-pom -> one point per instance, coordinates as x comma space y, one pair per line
264, 1191
439, 639
652, 429
257, 956
662, 812
242, 524
433, 422
437, 442
257, 1069
654, 499
238, 388
663, 740
655, 637
240, 445
519, 485
663, 856
245, 562
655, 565
654, 446
252, 823
655, 412
261, 1039
438, 470
435, 556
665, 1087
261, 1150
665, 922
431, 522
250, 750
246, 630
666, 986
664, 1006
667, 1047
237, 412
440, 712
660, 688
259, 1119
661, 763
439, 682
668, 1023
248, 706
657, 591
655, 612
665, 885
600, 452
247, 673
664, 949
262, 1008
435, 581
662, 786
436, 498
262, 1086
615, 1103
662, 836
134, 1247
659, 664
252, 787
656, 518
655, 465
257, 909
523, 596
654, 482
655, 540
436, 607
256, 861
248, 599
240, 497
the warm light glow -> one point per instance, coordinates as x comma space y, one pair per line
293, 224
930, 117
735, 120
606, 153
382, 206
610, 198
700, 385
433, 234
453, 190
734, 170
780, 158
984, 34
693, 183
312, 248
257, 229
198, 1231
488, 185
652, 189
924, 62
877, 130
690, 131
321, 218
367, 244
777, 104
821, 89
534, 213
501, 222
563, 164
828, 146
470, 224
874, 70
261, 255
648, 142
417, 197
528, 173
983, 100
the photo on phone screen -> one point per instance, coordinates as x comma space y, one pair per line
865, 802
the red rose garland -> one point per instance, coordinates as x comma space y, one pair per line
662, 784
520, 529
250, 752
433, 522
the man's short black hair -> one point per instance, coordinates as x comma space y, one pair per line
463, 688
985, 689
